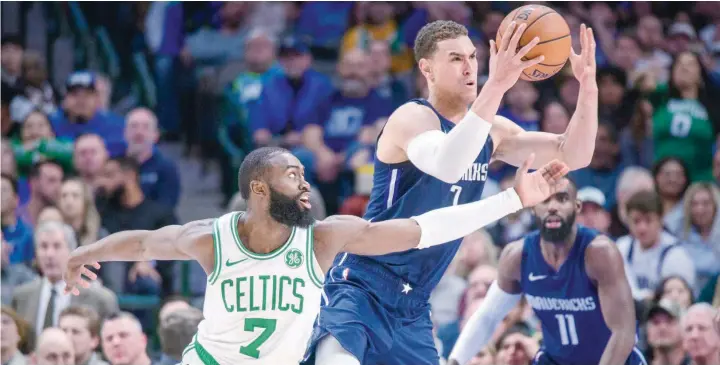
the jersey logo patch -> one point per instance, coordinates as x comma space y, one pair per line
532, 277
294, 258
229, 263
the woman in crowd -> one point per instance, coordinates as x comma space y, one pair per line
676, 289
13, 332
78, 210
671, 181
49, 214
701, 230
636, 144
37, 142
555, 118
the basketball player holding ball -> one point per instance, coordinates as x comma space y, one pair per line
435, 153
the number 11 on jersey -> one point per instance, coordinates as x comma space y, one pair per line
566, 326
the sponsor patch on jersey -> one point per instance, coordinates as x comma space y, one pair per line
294, 258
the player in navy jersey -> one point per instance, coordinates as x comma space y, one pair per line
433, 153
574, 279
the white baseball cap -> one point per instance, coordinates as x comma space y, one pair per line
591, 194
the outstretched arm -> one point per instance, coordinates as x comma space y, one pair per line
412, 132
503, 296
356, 235
190, 241
604, 265
576, 146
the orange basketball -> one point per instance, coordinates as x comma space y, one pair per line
553, 32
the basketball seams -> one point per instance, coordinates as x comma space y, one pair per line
554, 39
538, 18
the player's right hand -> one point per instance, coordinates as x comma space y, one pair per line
73, 276
506, 61
535, 187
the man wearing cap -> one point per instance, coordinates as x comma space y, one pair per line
81, 114
680, 38
664, 335
593, 213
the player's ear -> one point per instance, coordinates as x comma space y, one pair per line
578, 206
259, 188
426, 69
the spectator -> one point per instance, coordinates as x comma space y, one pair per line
516, 346
291, 99
123, 340
176, 333
172, 304
701, 230
676, 289
632, 180
239, 99
159, 177
651, 253
555, 118
45, 180
323, 24
38, 143
89, 158
605, 166
680, 37
627, 53
54, 347
664, 335
13, 333
520, 106
486, 356
671, 181
82, 325
593, 212
650, 38
49, 214
12, 57
387, 86
614, 102
17, 232
512, 226
636, 143
686, 117
104, 91
123, 206
8, 166
700, 340
81, 113
209, 47
36, 92
12, 275
77, 206
41, 301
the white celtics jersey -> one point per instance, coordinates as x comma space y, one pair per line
259, 308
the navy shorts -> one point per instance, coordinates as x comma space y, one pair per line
375, 316
542, 358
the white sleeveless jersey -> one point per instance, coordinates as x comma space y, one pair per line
259, 308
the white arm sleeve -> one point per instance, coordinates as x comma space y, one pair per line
449, 156
481, 326
465, 218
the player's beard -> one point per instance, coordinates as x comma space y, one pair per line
286, 210
560, 234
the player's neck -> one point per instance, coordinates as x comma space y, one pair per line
261, 234
555, 253
450, 108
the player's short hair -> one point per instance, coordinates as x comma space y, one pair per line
645, 202
254, 167
92, 317
429, 35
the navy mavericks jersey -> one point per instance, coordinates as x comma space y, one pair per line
401, 190
566, 302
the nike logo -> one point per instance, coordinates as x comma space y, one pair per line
231, 263
532, 277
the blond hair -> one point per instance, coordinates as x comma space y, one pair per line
687, 203
88, 232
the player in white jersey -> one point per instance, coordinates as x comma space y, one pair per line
265, 266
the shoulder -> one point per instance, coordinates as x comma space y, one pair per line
602, 258
511, 256
27, 289
101, 293
412, 115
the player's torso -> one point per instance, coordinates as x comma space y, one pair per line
260, 308
401, 191
566, 302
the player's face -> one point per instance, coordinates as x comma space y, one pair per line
556, 215
453, 69
289, 192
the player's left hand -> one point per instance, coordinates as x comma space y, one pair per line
73, 276
535, 187
583, 64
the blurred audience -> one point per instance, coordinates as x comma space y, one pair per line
123, 341
82, 325
53, 347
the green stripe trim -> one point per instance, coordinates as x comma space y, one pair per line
246, 251
190, 347
212, 278
204, 355
309, 263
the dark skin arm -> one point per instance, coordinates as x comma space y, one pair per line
604, 265
192, 241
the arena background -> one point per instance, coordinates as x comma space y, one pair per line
210, 81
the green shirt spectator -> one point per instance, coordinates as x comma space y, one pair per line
37, 142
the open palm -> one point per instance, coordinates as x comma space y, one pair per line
534, 187
583, 64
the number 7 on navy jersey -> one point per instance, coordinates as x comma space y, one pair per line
457, 190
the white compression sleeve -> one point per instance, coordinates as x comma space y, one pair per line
450, 223
449, 156
481, 326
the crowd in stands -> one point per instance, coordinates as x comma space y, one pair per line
321, 79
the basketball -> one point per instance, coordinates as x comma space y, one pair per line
553, 32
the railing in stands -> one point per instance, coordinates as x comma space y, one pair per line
146, 82
85, 48
109, 53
